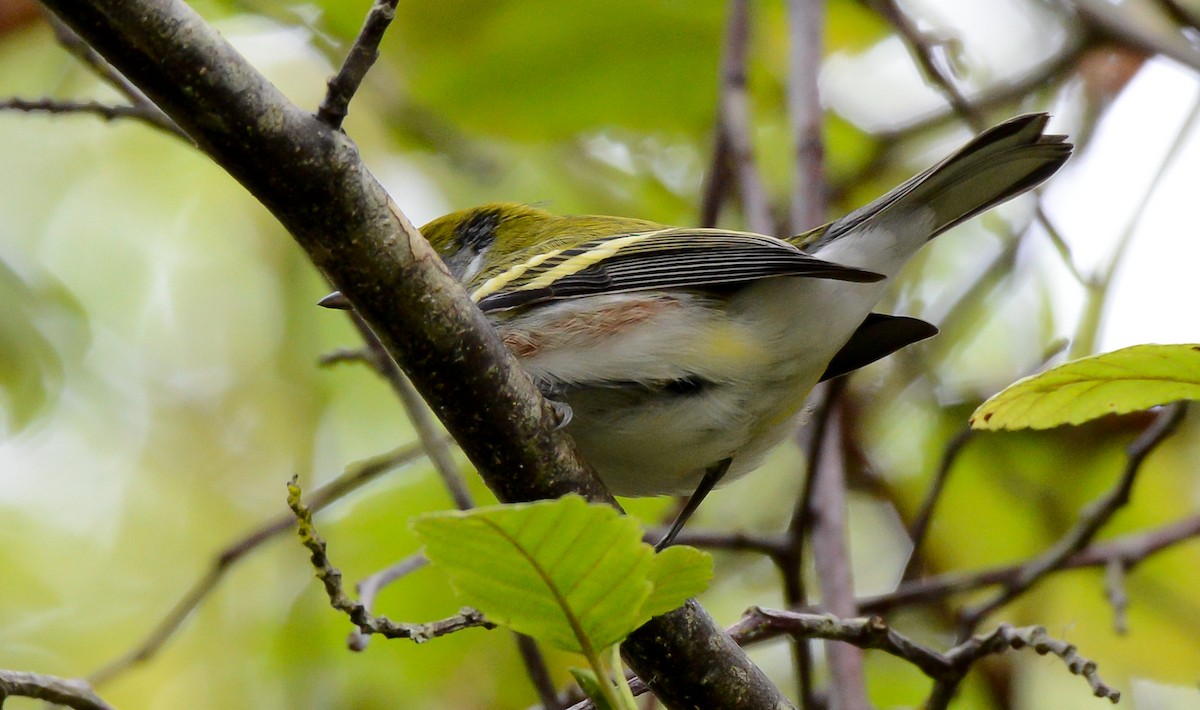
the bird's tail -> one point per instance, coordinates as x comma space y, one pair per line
998, 164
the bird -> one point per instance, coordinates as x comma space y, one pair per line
682, 356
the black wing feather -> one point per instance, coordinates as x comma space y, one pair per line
879, 335
674, 259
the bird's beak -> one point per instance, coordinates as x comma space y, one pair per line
336, 300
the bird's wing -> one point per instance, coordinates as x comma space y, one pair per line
663, 258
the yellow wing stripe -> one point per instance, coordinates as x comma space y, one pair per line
579, 262
514, 272
576, 263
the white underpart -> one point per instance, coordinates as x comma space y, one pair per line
760, 351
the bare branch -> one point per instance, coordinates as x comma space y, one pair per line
360, 58
735, 122
1129, 549
428, 431
108, 112
356, 475
831, 557
962, 656
1117, 22
806, 23
539, 674
313, 181
1114, 589
331, 579
1091, 520
717, 179
141, 107
370, 587
72, 693
924, 49
920, 524
946, 669
791, 565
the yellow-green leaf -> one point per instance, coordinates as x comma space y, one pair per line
678, 573
1122, 381
562, 571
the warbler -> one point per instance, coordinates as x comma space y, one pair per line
686, 354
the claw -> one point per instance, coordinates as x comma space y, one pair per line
563, 411
336, 300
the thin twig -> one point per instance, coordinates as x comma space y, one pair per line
1115, 21
923, 49
437, 447
962, 656
74, 44
920, 525
806, 24
1054, 71
717, 179
734, 541
368, 589
735, 121
1091, 520
946, 669
141, 108
831, 558
1129, 549
953, 449
355, 476
1114, 589
359, 59
1183, 15
331, 580
539, 674
109, 112
343, 356
71, 692
791, 564
1099, 290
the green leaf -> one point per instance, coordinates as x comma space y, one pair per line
679, 573
573, 574
1122, 381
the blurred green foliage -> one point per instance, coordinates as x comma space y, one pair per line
159, 378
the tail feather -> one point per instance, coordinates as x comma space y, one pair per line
998, 164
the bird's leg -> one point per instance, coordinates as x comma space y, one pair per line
712, 476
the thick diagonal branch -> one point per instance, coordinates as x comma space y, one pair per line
312, 179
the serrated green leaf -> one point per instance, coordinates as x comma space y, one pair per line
1122, 381
558, 570
678, 574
